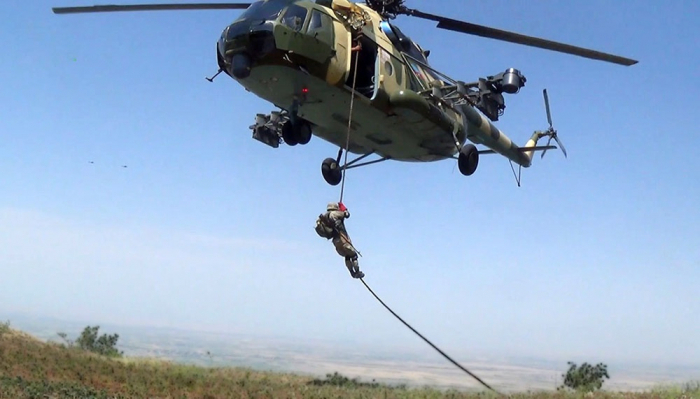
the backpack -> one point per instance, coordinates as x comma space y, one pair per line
323, 229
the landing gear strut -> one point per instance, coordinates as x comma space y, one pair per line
333, 172
468, 159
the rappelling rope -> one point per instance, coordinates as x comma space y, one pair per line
342, 191
347, 142
347, 145
426, 340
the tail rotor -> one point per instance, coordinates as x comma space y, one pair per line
550, 131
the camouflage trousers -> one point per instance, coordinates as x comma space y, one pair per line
345, 249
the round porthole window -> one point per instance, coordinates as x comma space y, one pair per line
388, 68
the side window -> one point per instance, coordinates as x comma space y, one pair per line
398, 68
419, 79
422, 79
315, 23
294, 17
321, 27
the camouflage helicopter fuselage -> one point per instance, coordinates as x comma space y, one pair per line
300, 52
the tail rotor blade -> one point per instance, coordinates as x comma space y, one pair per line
550, 132
546, 105
545, 151
560, 145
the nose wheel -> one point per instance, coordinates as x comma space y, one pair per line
331, 171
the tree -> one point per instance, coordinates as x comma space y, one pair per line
65, 339
4, 328
103, 345
585, 378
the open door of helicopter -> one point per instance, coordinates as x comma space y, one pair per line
367, 67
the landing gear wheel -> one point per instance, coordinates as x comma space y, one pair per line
303, 133
331, 171
468, 159
288, 134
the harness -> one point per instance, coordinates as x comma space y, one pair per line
325, 227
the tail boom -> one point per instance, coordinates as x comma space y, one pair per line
481, 131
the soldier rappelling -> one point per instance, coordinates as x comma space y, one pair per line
331, 225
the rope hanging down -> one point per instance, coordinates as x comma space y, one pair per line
342, 190
429, 343
347, 142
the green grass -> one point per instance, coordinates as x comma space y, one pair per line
30, 368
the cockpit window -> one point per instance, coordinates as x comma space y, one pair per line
408, 45
265, 10
411, 48
294, 17
315, 23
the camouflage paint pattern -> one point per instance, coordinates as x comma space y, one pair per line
394, 122
480, 130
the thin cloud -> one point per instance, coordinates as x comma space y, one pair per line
33, 236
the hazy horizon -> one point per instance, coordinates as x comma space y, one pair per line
319, 357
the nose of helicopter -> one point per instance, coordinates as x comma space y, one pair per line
241, 44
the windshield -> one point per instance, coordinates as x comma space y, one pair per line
265, 10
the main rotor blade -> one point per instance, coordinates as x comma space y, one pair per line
498, 34
151, 7
546, 105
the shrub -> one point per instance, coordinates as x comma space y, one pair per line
340, 380
4, 328
585, 378
104, 345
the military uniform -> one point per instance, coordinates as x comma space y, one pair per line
335, 216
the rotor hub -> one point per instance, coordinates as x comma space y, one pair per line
387, 8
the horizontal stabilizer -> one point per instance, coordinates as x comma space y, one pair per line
523, 149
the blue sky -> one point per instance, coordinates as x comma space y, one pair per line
595, 258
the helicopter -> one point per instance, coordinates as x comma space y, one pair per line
344, 72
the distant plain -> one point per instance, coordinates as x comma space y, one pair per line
318, 358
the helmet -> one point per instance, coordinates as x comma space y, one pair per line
332, 206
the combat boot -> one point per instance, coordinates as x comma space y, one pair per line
356, 273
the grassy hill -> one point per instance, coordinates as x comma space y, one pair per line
30, 368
